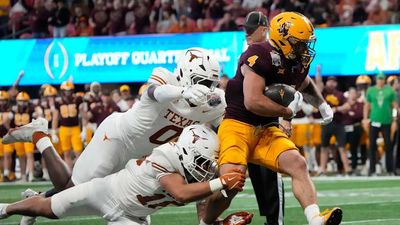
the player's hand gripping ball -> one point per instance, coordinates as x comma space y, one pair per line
280, 93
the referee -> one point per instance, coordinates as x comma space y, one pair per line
267, 184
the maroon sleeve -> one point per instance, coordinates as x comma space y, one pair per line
258, 59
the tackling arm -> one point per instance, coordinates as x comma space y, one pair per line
254, 99
176, 185
164, 93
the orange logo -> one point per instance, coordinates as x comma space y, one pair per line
105, 137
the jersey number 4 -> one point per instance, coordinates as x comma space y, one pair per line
165, 134
252, 60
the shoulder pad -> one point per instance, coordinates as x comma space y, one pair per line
161, 76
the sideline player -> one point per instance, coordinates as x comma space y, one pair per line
68, 111
267, 184
172, 101
245, 134
174, 174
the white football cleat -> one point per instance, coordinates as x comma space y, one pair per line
24, 133
3, 213
28, 220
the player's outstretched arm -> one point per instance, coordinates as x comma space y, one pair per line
254, 99
166, 93
34, 206
183, 192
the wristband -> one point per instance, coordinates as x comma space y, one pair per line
216, 185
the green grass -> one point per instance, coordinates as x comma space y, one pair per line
364, 201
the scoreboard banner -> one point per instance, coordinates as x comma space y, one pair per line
340, 51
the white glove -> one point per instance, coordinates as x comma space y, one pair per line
54, 137
83, 134
326, 113
196, 94
295, 105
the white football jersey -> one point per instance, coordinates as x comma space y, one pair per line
149, 123
137, 188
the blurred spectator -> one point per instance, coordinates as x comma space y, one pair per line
119, 97
235, 9
106, 108
83, 29
77, 15
359, 13
5, 6
40, 18
376, 15
380, 101
182, 8
157, 12
131, 101
352, 121
318, 12
166, 23
60, 19
99, 19
336, 128
197, 9
182, 26
117, 19
215, 9
142, 22
227, 23
250, 5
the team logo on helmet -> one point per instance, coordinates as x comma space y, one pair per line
196, 137
284, 29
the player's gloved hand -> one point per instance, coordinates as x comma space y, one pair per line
54, 137
196, 94
295, 105
237, 218
326, 113
233, 180
83, 134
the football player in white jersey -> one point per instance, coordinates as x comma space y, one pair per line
172, 101
173, 174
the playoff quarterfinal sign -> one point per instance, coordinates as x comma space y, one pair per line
340, 51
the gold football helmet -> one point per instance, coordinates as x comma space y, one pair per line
363, 79
67, 86
4, 95
50, 91
293, 34
23, 96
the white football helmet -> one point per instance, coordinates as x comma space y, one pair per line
198, 146
197, 66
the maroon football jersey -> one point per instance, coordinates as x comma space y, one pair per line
100, 112
69, 111
268, 63
354, 115
335, 98
22, 115
4, 114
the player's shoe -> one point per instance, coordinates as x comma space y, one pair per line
24, 133
3, 214
332, 216
28, 220
237, 218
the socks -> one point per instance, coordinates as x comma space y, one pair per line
312, 214
41, 140
6, 172
202, 222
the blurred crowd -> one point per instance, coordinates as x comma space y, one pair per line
60, 18
73, 118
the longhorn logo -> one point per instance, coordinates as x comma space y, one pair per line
196, 137
282, 93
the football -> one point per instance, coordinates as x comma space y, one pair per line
280, 93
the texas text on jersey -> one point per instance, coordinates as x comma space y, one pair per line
267, 62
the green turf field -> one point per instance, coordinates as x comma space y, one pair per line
364, 201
